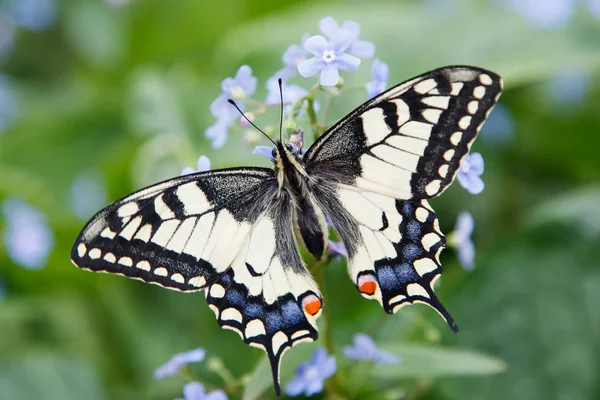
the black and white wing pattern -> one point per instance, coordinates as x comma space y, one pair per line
408, 142
172, 233
268, 297
225, 232
376, 168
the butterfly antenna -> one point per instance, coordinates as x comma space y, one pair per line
281, 114
247, 119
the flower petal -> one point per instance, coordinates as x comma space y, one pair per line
314, 386
316, 45
328, 26
476, 163
329, 75
347, 62
476, 184
353, 28
361, 49
464, 225
194, 391
385, 357
340, 41
203, 165
463, 179
364, 342
310, 67
295, 387
465, 252
215, 395
187, 171
354, 353
337, 248
380, 70
264, 150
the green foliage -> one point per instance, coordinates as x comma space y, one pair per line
126, 91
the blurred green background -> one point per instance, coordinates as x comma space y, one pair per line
98, 98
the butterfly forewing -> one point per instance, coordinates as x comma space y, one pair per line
408, 142
173, 233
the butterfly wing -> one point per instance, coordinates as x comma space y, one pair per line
376, 168
408, 142
268, 297
226, 232
172, 233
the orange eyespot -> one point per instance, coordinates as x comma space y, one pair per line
367, 284
368, 287
311, 304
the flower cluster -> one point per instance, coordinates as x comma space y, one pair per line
336, 48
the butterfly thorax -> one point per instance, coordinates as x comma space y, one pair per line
309, 220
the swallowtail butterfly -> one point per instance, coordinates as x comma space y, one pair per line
232, 232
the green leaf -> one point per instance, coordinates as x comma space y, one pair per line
261, 379
420, 361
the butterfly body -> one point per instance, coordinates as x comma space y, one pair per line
233, 232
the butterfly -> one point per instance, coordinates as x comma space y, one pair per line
233, 232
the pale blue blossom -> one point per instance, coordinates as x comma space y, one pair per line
264, 150
203, 165
358, 48
460, 239
337, 248
27, 234
87, 194
469, 173
178, 361
329, 56
310, 376
196, 391
380, 71
545, 14
36, 15
363, 348
293, 56
238, 88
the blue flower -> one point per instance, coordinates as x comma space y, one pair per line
8, 104
36, 15
264, 150
380, 71
203, 166
544, 14
196, 391
499, 127
176, 362
337, 248
469, 173
238, 88
363, 348
310, 375
460, 239
570, 85
358, 48
87, 194
27, 235
328, 57
293, 56
291, 93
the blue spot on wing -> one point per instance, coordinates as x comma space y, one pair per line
292, 315
253, 310
273, 322
406, 274
387, 277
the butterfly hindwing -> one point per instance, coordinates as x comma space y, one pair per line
268, 297
408, 142
172, 233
